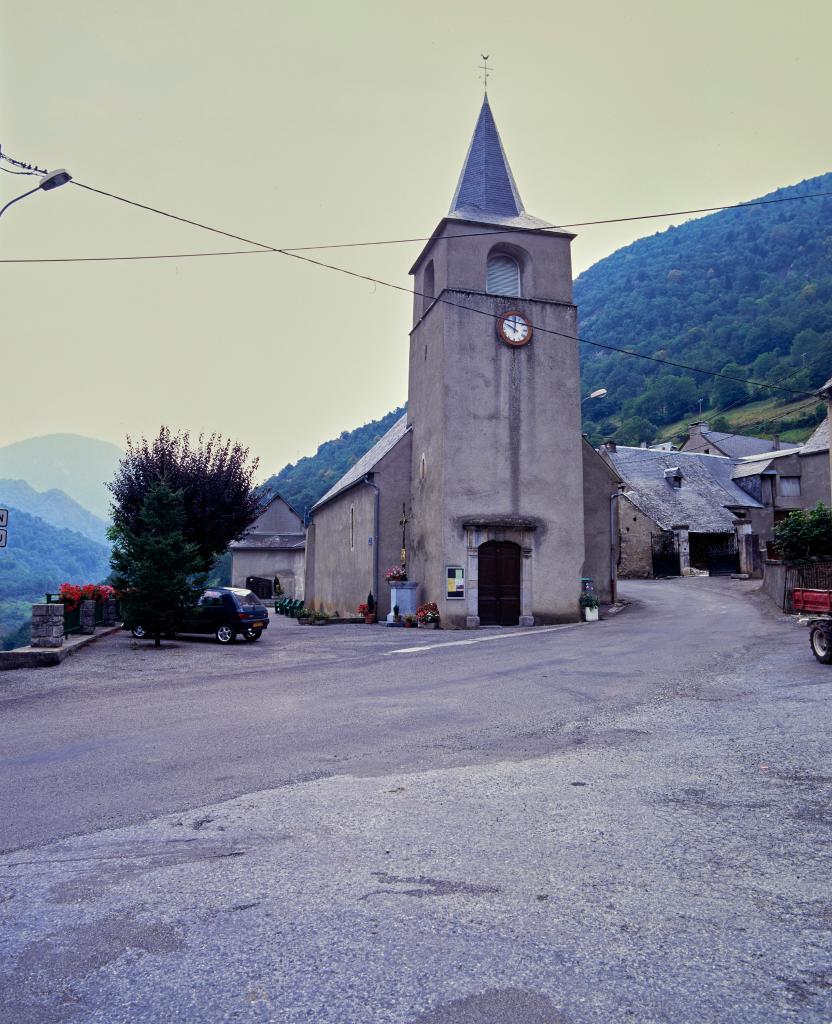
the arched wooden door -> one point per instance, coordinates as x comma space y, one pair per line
499, 583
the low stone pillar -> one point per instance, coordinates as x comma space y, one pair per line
110, 606
47, 625
87, 618
682, 532
745, 547
403, 594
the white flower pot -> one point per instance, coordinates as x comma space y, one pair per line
590, 614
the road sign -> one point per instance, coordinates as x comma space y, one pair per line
2, 538
4, 517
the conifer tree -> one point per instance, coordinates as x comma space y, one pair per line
155, 565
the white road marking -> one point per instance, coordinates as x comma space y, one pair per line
482, 639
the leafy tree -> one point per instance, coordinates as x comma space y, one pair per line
728, 392
215, 480
634, 430
804, 535
155, 566
721, 425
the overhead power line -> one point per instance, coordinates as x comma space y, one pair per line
387, 241
411, 291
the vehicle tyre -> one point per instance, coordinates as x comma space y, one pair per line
821, 645
139, 632
225, 634
253, 634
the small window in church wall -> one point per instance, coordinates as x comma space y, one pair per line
352, 527
503, 275
427, 286
423, 468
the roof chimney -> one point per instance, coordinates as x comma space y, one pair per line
610, 446
697, 428
643, 444
776, 442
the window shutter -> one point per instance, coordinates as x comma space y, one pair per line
503, 275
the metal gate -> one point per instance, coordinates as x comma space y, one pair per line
724, 557
665, 547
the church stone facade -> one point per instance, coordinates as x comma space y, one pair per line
507, 506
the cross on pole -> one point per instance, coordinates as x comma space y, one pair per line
403, 523
486, 70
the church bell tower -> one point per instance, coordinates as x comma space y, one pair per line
494, 406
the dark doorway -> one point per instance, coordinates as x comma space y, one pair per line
499, 597
665, 549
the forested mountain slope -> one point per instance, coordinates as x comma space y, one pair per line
302, 483
39, 557
747, 292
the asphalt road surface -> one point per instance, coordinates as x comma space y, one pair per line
622, 821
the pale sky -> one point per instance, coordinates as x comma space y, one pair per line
299, 124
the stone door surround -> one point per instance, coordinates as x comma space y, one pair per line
479, 533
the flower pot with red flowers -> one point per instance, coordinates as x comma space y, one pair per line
427, 615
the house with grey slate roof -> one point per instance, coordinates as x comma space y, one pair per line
786, 480
273, 547
719, 442
687, 495
505, 506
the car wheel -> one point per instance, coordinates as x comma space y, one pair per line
253, 634
821, 646
225, 634
139, 632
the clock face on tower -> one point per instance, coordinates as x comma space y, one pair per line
514, 329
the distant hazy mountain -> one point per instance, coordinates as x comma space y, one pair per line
78, 466
55, 507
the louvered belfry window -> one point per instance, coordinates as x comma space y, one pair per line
503, 275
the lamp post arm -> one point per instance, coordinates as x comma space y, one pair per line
17, 199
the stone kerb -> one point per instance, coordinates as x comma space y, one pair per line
47, 625
87, 618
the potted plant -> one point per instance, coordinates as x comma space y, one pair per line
590, 605
427, 615
409, 622
368, 610
397, 574
319, 619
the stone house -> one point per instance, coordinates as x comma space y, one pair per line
506, 507
687, 498
274, 546
717, 442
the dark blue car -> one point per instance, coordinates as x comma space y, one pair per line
225, 613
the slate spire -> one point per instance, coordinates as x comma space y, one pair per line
486, 184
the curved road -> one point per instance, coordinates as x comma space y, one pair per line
121, 733
626, 821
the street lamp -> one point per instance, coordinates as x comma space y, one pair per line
49, 181
595, 394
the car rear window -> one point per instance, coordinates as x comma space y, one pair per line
248, 600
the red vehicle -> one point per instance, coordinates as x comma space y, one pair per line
818, 605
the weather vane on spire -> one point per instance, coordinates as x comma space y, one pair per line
486, 70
